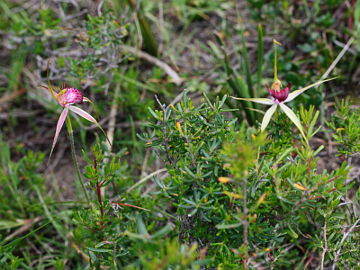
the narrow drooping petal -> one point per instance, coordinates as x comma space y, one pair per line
294, 94
59, 125
292, 117
83, 114
51, 90
88, 117
265, 101
267, 116
53, 93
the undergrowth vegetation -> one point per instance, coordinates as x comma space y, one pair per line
175, 162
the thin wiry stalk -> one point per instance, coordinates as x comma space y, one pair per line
76, 164
275, 62
245, 221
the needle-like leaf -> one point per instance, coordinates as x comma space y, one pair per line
265, 101
293, 118
268, 116
59, 125
88, 117
294, 94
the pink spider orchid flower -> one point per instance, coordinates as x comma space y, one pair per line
67, 97
280, 96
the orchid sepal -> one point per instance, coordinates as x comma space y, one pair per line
295, 93
293, 118
265, 101
268, 114
59, 126
88, 117
52, 92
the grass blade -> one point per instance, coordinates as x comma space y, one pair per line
239, 88
245, 55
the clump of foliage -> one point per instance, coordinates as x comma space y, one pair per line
253, 201
345, 125
245, 198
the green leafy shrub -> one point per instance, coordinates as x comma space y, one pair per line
258, 201
346, 129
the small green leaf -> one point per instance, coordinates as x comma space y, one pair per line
163, 231
100, 250
141, 225
227, 226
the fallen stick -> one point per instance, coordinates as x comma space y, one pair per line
172, 73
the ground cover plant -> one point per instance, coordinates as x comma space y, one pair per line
176, 160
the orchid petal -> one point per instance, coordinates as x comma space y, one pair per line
294, 94
83, 114
59, 125
85, 99
292, 117
265, 101
50, 88
88, 117
53, 93
267, 116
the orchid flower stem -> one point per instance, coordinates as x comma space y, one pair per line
275, 62
76, 164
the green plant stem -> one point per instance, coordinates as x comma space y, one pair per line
76, 164
260, 55
245, 221
98, 193
275, 62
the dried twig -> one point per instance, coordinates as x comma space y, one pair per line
27, 225
112, 116
324, 248
146, 178
337, 59
346, 235
172, 73
11, 96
